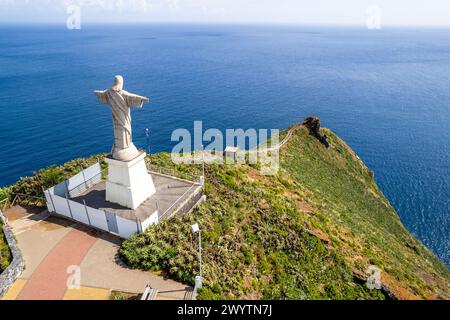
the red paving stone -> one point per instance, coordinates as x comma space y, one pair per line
49, 280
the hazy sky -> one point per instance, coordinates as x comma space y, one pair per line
393, 12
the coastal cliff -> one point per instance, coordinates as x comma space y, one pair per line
312, 231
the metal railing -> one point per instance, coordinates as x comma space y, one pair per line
4, 204
166, 214
86, 184
23, 199
173, 172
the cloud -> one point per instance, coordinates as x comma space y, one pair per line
115, 5
430, 12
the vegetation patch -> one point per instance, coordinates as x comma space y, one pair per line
43, 179
120, 295
5, 253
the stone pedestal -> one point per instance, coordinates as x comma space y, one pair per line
129, 183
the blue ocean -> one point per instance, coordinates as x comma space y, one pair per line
386, 92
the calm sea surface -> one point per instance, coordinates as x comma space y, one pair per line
387, 93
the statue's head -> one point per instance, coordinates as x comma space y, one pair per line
118, 83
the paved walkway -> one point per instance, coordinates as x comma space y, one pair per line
65, 260
49, 280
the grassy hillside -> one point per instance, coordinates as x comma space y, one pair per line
5, 254
309, 232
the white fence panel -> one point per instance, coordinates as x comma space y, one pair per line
76, 183
98, 218
126, 227
152, 220
60, 189
61, 206
84, 180
78, 212
93, 171
49, 201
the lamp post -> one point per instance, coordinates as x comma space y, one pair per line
147, 135
196, 229
203, 166
203, 160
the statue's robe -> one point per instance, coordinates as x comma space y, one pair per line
120, 102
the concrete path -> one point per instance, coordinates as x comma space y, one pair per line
208, 157
49, 280
65, 260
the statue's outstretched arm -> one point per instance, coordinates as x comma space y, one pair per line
101, 96
133, 100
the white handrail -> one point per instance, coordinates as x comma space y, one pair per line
178, 200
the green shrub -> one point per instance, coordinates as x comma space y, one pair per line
248, 254
52, 176
5, 193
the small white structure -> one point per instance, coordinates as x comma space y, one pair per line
129, 184
231, 153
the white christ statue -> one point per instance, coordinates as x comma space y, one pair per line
120, 102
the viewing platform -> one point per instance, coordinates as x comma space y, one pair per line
168, 191
83, 198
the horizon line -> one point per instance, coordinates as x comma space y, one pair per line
268, 23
